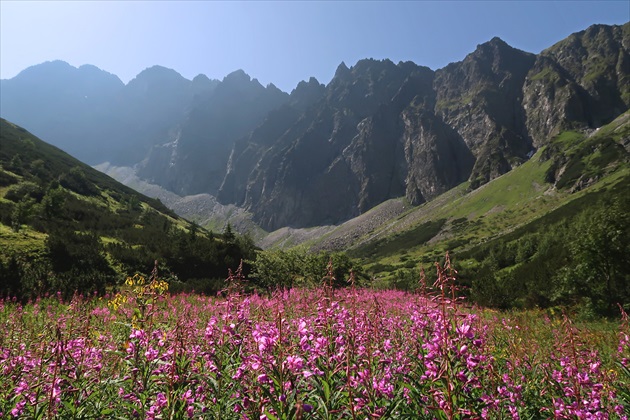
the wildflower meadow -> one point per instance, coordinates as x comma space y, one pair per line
319, 353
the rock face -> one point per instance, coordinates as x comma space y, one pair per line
580, 82
480, 97
372, 135
323, 154
346, 152
381, 130
195, 158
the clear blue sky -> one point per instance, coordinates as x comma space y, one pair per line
279, 42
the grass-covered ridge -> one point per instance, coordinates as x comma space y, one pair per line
67, 227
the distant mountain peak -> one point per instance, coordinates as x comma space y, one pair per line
312, 82
46, 68
373, 61
201, 78
497, 41
495, 46
257, 83
238, 76
305, 93
160, 72
89, 67
59, 69
202, 83
342, 70
271, 86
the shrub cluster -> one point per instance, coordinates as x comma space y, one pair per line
578, 256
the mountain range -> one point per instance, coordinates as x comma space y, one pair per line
324, 154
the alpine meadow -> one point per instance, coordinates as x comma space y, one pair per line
398, 243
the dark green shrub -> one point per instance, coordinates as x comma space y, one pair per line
76, 181
25, 189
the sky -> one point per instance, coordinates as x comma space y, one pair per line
280, 42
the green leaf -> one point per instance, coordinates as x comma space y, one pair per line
326, 389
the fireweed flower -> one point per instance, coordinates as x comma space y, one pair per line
19, 408
465, 331
294, 363
222, 358
157, 407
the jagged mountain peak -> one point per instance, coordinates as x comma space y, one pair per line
597, 36
411, 66
201, 78
240, 83
598, 29
273, 88
368, 81
306, 93
367, 63
498, 42
371, 68
237, 76
342, 71
491, 62
312, 81
202, 83
498, 51
589, 71
304, 86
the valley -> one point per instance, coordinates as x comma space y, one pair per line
500, 159
314, 210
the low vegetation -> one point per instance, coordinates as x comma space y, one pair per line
320, 353
67, 228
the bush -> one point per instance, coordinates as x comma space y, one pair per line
76, 181
7, 179
24, 190
299, 267
208, 287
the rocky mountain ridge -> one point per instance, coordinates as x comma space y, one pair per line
326, 153
382, 130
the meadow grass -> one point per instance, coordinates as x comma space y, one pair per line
305, 353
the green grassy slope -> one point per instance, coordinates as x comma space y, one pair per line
65, 226
584, 163
44, 160
575, 174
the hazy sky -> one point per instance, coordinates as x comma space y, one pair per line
278, 42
